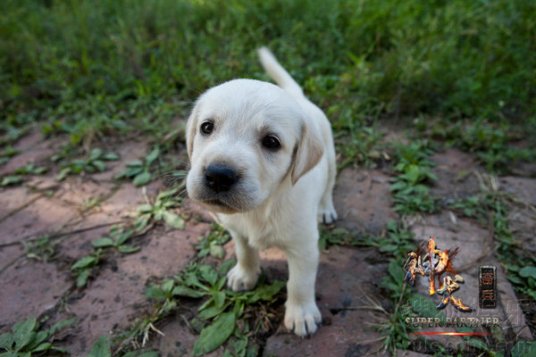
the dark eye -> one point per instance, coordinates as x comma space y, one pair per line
271, 142
207, 127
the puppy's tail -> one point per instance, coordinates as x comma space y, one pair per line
278, 73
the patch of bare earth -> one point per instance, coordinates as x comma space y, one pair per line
81, 209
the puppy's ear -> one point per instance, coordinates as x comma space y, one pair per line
309, 151
191, 128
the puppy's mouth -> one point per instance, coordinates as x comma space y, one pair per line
219, 205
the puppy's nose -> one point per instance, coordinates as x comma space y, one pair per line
220, 178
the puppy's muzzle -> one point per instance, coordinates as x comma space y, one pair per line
220, 178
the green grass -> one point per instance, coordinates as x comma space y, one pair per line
490, 207
212, 244
28, 338
159, 209
410, 190
94, 162
491, 143
223, 317
92, 69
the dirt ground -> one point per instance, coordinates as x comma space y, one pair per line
348, 278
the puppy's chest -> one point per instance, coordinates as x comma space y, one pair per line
260, 235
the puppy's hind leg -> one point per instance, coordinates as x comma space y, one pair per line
244, 275
326, 209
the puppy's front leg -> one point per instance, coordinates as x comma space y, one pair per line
302, 314
245, 273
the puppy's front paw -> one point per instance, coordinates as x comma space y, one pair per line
327, 214
302, 319
240, 279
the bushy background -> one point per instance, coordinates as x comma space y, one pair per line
452, 58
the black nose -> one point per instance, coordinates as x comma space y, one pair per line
220, 178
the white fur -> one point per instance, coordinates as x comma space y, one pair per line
281, 195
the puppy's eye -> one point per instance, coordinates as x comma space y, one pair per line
271, 142
207, 127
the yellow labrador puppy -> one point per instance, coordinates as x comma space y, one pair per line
263, 160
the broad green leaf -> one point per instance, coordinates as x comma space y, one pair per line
167, 285
6, 340
11, 180
128, 249
43, 347
214, 335
63, 174
266, 292
238, 309
99, 165
217, 251
103, 242
413, 174
81, 279
135, 163
530, 293
513, 267
474, 342
77, 165
23, 332
221, 283
155, 292
209, 303
95, 153
142, 178
396, 271
101, 348
208, 273
207, 313
528, 272
38, 339
389, 285
142, 221
145, 208
219, 298
173, 220
167, 193
424, 306
130, 171
153, 155
60, 325
14, 354
111, 156
397, 186
158, 214
239, 345
192, 280
515, 279
187, 292
40, 170
123, 236
84, 262
168, 306
524, 349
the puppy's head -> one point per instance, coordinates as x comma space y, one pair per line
245, 138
